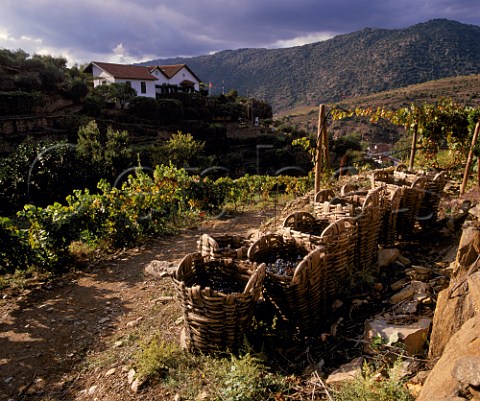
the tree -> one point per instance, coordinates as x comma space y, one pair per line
182, 150
117, 153
113, 93
123, 93
88, 144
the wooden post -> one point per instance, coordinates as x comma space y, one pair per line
478, 171
469, 159
414, 148
326, 153
318, 149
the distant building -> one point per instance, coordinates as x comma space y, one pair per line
174, 78
147, 81
138, 77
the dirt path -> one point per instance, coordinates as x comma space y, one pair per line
50, 332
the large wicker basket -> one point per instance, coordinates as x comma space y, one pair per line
223, 246
300, 297
305, 227
428, 211
411, 198
322, 196
340, 242
390, 199
216, 321
366, 208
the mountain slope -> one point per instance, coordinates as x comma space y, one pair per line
363, 62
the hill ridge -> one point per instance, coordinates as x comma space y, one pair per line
367, 61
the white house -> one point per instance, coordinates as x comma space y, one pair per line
175, 76
138, 77
147, 81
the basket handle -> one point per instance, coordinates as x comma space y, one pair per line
256, 278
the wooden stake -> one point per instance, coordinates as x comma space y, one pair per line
478, 171
326, 153
414, 148
469, 159
318, 150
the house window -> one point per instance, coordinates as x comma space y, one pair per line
143, 87
128, 83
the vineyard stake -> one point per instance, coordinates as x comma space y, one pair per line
469, 159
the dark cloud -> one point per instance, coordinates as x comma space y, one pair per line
135, 30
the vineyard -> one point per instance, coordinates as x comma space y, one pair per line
78, 267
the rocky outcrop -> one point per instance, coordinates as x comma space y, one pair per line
455, 338
460, 301
456, 374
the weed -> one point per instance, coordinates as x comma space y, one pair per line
157, 358
214, 378
248, 379
372, 386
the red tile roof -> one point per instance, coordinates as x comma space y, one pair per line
123, 71
171, 70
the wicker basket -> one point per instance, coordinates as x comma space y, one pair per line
322, 196
390, 201
223, 246
301, 296
365, 207
411, 197
409, 208
340, 242
216, 320
428, 212
305, 227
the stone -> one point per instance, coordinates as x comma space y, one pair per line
455, 305
398, 285
406, 308
345, 373
418, 273
131, 376
403, 260
337, 304
413, 336
414, 389
137, 385
403, 295
110, 372
455, 366
475, 211
420, 290
160, 268
387, 256
135, 322
467, 370
163, 300
469, 246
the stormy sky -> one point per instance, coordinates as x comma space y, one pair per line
129, 31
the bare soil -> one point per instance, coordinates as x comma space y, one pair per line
51, 331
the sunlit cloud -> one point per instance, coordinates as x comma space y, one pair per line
303, 40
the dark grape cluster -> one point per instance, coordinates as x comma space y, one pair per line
282, 267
